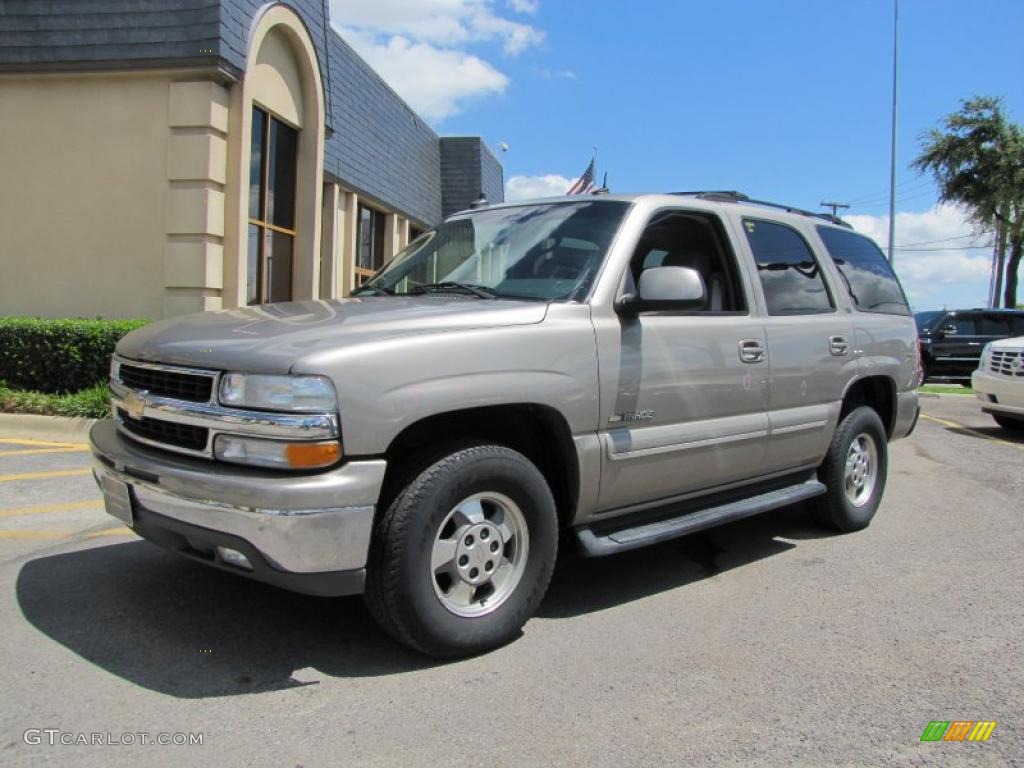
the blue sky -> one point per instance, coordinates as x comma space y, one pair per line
786, 100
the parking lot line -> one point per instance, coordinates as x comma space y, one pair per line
37, 451
44, 475
41, 443
61, 533
965, 428
48, 508
36, 534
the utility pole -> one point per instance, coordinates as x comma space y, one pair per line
834, 206
892, 168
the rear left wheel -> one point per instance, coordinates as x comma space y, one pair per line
463, 556
854, 472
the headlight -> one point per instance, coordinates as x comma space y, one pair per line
986, 355
276, 453
299, 394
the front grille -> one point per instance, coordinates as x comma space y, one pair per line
1007, 363
196, 388
168, 432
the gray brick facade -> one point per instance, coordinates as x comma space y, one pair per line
468, 169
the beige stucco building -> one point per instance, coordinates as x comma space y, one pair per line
242, 153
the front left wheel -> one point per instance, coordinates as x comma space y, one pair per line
463, 555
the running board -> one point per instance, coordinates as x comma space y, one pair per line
599, 544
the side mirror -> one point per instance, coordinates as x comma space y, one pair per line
662, 288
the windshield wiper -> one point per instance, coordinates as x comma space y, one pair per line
379, 289
449, 285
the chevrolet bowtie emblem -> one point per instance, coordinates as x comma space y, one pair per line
134, 404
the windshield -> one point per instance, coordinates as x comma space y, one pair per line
548, 252
926, 320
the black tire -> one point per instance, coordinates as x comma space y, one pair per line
834, 509
1009, 423
400, 590
965, 384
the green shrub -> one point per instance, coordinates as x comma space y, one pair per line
58, 355
92, 403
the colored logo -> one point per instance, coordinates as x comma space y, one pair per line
958, 730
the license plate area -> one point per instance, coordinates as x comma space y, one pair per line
117, 498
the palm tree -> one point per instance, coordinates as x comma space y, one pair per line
977, 159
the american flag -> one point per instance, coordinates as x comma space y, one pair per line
584, 185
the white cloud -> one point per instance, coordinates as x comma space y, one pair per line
421, 47
527, 187
935, 274
439, 22
435, 81
524, 6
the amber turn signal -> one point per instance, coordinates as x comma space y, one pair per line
310, 455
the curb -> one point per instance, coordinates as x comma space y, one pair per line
56, 428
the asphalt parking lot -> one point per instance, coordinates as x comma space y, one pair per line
765, 642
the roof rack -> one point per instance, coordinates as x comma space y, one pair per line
727, 196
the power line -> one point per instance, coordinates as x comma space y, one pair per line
961, 248
947, 239
906, 187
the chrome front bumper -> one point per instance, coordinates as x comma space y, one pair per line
299, 524
999, 394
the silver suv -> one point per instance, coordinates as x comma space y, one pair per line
623, 370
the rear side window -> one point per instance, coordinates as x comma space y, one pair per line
866, 272
789, 273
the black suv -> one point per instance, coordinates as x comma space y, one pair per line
951, 340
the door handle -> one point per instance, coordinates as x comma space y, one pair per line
838, 345
751, 351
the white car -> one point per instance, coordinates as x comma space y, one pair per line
999, 382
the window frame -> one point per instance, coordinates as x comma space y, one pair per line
735, 269
262, 220
826, 279
362, 274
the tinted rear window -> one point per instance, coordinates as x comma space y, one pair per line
869, 279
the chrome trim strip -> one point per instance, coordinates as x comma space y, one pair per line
237, 421
799, 427
169, 368
684, 446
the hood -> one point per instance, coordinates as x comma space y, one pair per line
271, 337
1016, 344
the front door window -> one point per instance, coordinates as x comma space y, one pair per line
271, 208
